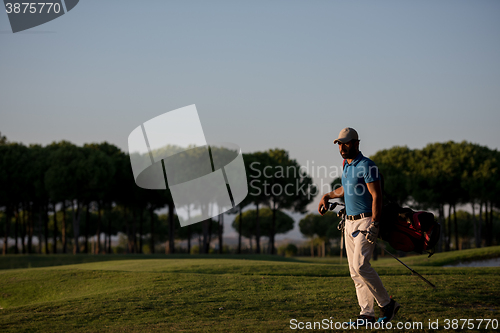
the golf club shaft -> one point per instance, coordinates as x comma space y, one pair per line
341, 246
412, 270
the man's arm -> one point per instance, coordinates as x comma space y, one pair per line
376, 192
337, 193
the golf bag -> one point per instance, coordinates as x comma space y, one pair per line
408, 230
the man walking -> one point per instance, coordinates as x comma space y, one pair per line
361, 190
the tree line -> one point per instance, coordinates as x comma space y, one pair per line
71, 183
63, 194
441, 176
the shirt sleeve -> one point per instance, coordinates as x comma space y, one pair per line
371, 173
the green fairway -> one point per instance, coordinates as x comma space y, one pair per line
257, 293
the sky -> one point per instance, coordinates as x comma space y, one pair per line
262, 74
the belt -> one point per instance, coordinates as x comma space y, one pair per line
359, 216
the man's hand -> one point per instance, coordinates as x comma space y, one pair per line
323, 204
372, 233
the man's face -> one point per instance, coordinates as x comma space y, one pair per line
349, 150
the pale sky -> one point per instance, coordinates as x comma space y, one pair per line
263, 74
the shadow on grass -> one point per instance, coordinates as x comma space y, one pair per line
439, 259
39, 260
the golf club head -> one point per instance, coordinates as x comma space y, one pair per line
331, 206
356, 233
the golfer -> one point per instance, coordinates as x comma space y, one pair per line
362, 194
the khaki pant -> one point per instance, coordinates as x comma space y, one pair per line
366, 280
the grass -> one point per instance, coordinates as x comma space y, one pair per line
229, 294
40, 260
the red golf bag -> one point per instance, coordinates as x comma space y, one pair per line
408, 230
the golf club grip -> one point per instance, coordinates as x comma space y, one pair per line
329, 206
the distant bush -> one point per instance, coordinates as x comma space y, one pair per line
289, 250
146, 249
195, 249
118, 249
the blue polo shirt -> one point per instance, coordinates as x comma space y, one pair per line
355, 176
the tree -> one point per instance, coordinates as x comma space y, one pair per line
99, 178
465, 224
123, 193
39, 166
396, 166
239, 210
5, 201
182, 166
323, 227
289, 187
3, 139
195, 230
256, 179
14, 164
282, 223
248, 160
277, 181
65, 180
155, 200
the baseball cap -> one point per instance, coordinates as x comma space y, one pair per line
346, 135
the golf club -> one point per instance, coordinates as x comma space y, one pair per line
356, 233
331, 206
341, 214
